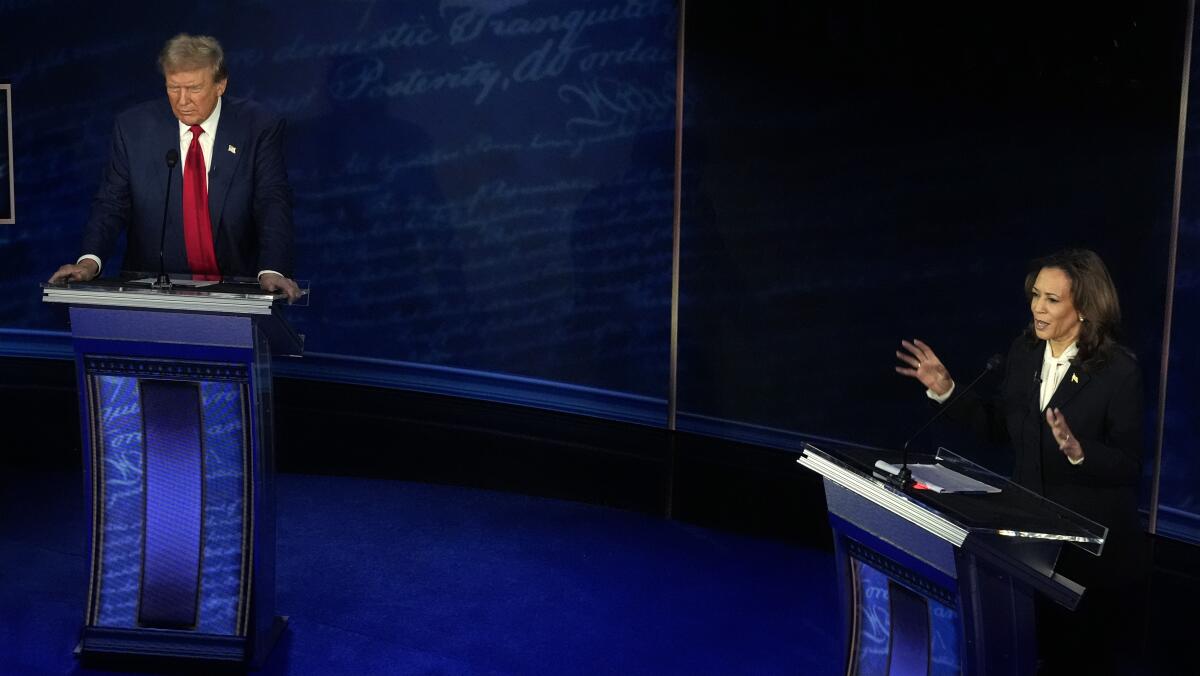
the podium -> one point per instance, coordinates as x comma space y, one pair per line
942, 583
175, 406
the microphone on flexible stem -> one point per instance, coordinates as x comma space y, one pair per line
1034, 393
904, 476
163, 281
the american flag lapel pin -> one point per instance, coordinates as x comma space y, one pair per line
233, 149
1075, 378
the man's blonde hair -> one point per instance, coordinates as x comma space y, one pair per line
192, 52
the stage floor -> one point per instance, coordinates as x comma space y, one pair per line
391, 577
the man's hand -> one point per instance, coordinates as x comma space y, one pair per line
280, 284
83, 271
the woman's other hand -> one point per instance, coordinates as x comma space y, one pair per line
1067, 442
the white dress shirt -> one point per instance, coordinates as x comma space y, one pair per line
1053, 370
206, 140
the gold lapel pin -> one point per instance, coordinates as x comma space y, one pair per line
1075, 378
233, 149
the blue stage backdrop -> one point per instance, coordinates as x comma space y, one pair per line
482, 184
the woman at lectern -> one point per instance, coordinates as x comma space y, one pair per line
1070, 407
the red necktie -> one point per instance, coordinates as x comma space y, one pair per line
197, 224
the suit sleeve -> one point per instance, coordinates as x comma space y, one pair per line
273, 202
983, 414
112, 203
1116, 458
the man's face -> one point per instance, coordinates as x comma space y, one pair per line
193, 94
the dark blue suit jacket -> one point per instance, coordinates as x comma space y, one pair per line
249, 198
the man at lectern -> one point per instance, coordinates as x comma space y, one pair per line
1070, 407
229, 208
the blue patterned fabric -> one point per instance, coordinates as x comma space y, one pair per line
224, 478
121, 457
875, 626
943, 637
874, 619
174, 481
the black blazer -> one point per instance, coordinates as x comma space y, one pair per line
1103, 407
249, 199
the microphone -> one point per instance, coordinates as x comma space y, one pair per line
1034, 394
904, 477
163, 281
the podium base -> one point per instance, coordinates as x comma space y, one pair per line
166, 647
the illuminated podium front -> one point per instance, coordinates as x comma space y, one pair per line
942, 583
175, 404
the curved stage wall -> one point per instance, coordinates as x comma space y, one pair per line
484, 194
480, 185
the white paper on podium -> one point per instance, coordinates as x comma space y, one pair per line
940, 479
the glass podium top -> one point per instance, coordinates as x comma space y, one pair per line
229, 294
1014, 511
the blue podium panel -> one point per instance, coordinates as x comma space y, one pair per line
175, 392
904, 614
944, 653
170, 463
173, 475
871, 639
898, 629
226, 518
910, 632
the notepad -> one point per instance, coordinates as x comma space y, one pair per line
940, 479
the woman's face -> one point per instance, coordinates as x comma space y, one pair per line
1054, 315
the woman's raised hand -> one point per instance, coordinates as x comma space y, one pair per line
924, 365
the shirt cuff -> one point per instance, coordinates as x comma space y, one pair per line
1076, 462
269, 272
91, 257
940, 398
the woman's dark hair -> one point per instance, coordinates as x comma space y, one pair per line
1095, 299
